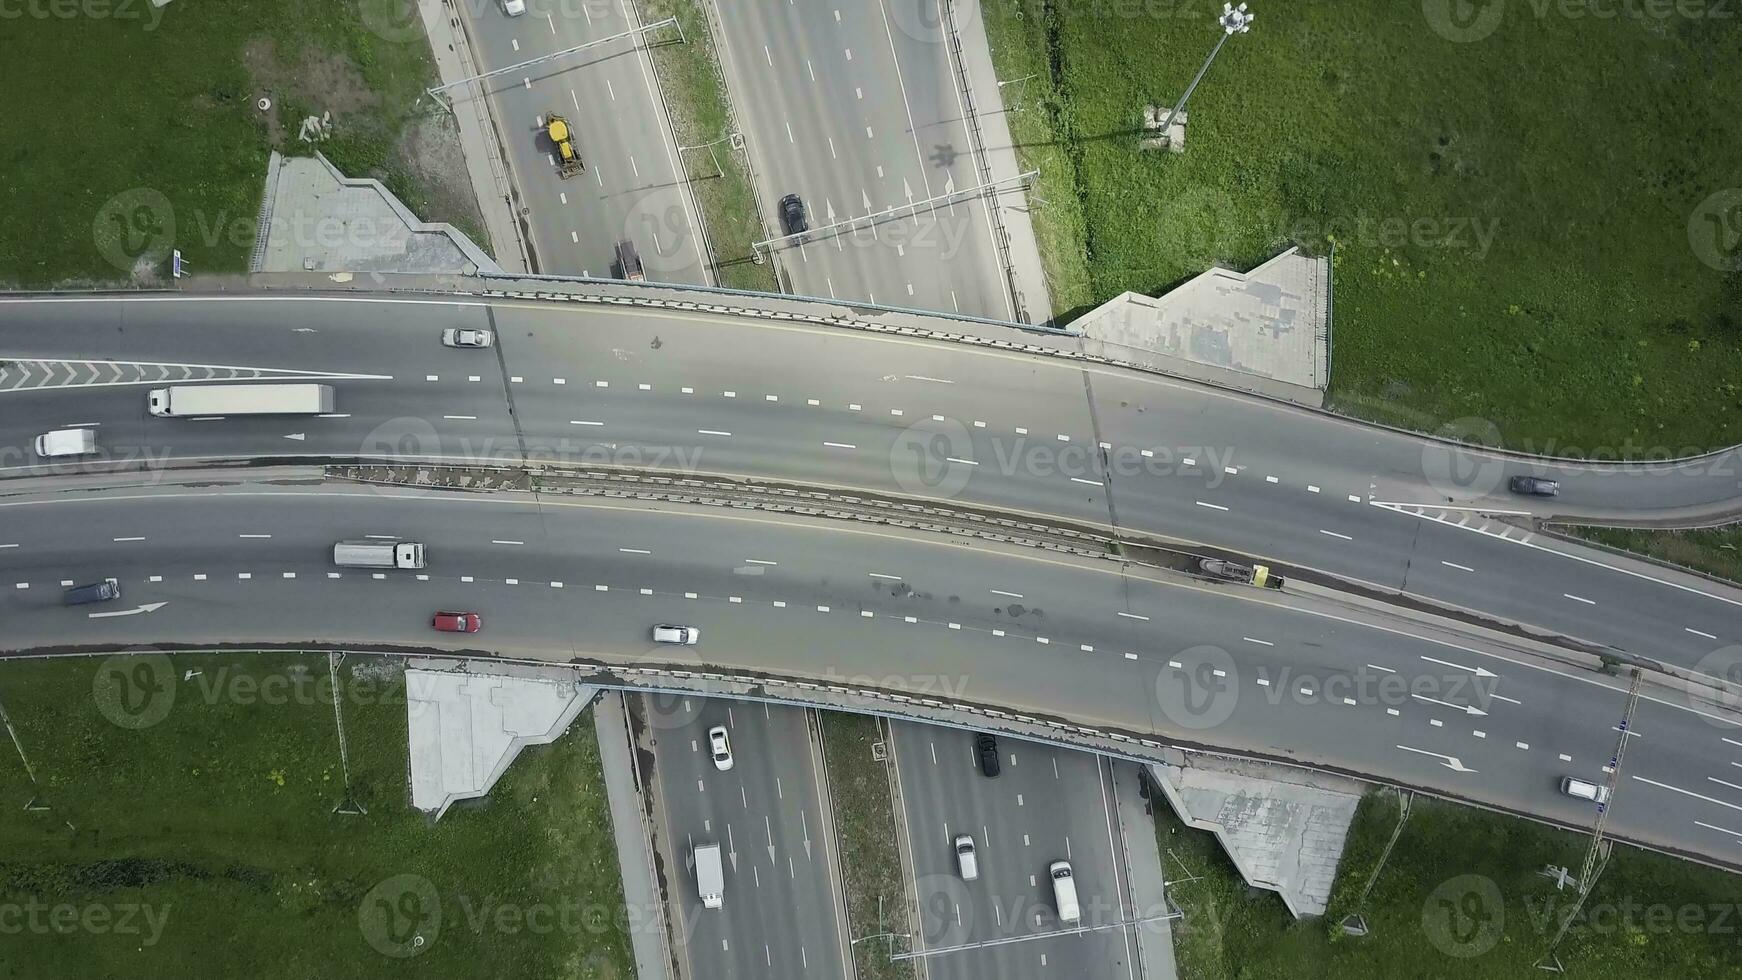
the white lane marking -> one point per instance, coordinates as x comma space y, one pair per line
840, 445
1523, 745
1131, 656
1200, 503
1721, 782
822, 609
687, 391
1393, 712
646, 591
1721, 830
1270, 479
253, 535
1566, 758
728, 394
503, 541
1334, 534
8, 546
1134, 616
635, 551
712, 432
1687, 792
119, 540
1092, 483
1262, 643
1387, 670
1696, 632
771, 398
958, 459
244, 575
583, 422
760, 561
1730, 740
1013, 595
155, 578
1580, 598
461, 418
644, 387
199, 576
1354, 499
921, 377
1312, 489
1064, 438
895, 578
1502, 697
1461, 568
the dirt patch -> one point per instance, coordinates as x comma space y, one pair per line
430, 149
320, 82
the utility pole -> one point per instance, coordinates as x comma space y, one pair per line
1599, 848
1234, 20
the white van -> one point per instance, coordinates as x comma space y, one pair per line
66, 442
1579, 789
966, 862
1064, 892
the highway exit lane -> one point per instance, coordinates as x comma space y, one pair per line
558, 579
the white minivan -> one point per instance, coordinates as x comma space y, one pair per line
1064, 892
1579, 789
66, 442
966, 862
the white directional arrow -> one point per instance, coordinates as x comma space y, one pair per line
298, 436
867, 198
147, 608
1450, 761
1466, 709
829, 209
1478, 671
768, 828
907, 189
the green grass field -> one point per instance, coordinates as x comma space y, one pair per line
218, 820
871, 862
129, 133
1530, 228
1460, 897
1717, 551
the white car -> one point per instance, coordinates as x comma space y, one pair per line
1579, 789
467, 338
966, 861
514, 8
720, 747
682, 635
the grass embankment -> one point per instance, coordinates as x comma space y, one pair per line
1530, 227
695, 89
1460, 897
1717, 551
870, 862
218, 819
133, 131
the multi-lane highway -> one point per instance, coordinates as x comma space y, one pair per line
1047, 804
1025, 433
781, 916
1095, 642
632, 188
855, 108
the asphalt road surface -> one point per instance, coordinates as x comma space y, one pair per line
631, 188
780, 913
1047, 804
854, 107
1116, 647
842, 408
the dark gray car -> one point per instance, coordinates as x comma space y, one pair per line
102, 591
1535, 486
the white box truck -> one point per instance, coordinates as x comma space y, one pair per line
710, 880
185, 401
378, 554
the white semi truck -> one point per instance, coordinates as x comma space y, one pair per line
191, 401
378, 554
710, 879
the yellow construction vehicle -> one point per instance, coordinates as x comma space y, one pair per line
562, 139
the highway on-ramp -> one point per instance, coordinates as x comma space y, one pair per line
1089, 640
822, 406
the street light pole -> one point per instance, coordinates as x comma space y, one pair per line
1234, 20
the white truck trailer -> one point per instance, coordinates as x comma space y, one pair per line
710, 879
204, 401
378, 554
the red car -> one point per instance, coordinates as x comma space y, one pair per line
457, 622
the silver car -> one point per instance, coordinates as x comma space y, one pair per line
467, 337
682, 635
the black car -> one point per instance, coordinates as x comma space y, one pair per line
792, 215
987, 748
103, 591
1535, 486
